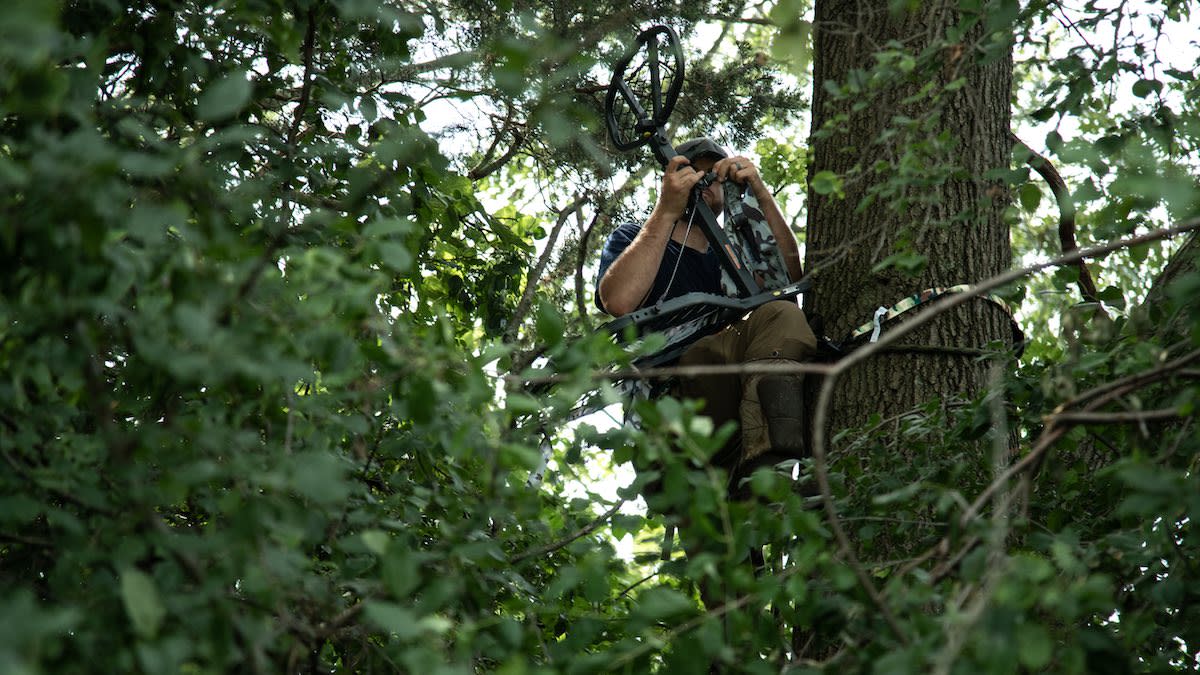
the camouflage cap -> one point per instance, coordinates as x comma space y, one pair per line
701, 147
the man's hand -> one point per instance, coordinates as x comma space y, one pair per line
742, 171
678, 181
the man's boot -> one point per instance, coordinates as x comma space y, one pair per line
782, 400
772, 413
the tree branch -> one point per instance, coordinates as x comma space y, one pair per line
531, 282
1066, 215
562, 543
310, 38
1132, 417
455, 60
1055, 431
665, 372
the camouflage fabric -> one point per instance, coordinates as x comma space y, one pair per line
887, 314
746, 224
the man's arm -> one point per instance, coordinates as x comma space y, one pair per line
631, 276
742, 170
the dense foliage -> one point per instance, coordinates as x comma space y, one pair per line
259, 298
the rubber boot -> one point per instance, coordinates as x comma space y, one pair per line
782, 400
756, 438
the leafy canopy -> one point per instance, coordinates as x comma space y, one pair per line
255, 301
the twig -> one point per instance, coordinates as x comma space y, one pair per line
680, 371
582, 532
1054, 430
1066, 215
62, 494
484, 170
637, 583
714, 613
268, 254
1117, 417
1137, 380
310, 36
749, 20
585, 235
455, 60
331, 627
28, 541
531, 282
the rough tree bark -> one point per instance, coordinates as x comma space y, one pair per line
953, 217
1173, 326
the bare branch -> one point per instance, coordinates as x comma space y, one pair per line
455, 60
310, 38
750, 20
531, 282
1066, 215
1132, 417
682, 371
582, 532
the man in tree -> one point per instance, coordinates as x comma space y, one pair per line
669, 256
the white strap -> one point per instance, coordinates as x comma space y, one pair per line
879, 314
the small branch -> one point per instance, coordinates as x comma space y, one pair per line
670, 636
455, 60
1105, 391
749, 20
665, 372
310, 37
486, 169
531, 282
1054, 431
585, 235
62, 494
1116, 417
331, 627
635, 584
28, 541
582, 532
1066, 215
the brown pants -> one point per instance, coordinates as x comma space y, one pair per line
774, 331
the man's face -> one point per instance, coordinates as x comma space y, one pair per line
714, 195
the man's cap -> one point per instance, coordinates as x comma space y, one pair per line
701, 147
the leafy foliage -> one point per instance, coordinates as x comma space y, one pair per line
256, 300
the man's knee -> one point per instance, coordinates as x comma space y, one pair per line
780, 330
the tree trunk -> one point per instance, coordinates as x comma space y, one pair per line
918, 173
1172, 327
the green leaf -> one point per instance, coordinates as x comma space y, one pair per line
661, 603
224, 98
382, 227
1034, 646
399, 621
142, 602
1031, 196
549, 323
395, 256
910, 262
826, 182
1143, 88
376, 541
368, 108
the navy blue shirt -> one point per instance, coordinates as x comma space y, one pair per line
697, 271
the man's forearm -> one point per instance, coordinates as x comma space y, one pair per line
631, 276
